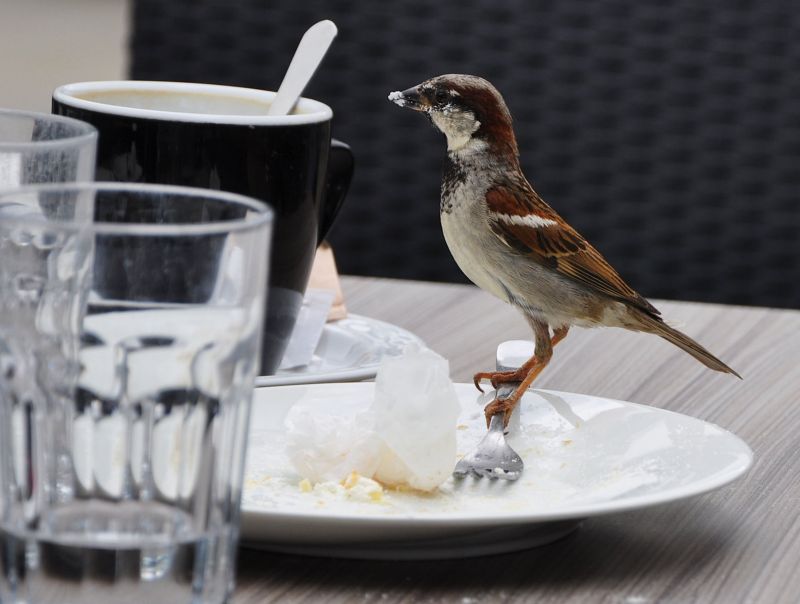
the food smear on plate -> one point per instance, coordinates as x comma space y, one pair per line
354, 488
406, 438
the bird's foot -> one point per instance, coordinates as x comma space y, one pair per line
496, 378
500, 406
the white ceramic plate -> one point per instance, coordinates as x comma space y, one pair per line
584, 456
349, 350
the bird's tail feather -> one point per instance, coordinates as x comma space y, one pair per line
657, 326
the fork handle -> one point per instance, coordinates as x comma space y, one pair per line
496, 424
506, 390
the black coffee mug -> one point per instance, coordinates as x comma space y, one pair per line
219, 137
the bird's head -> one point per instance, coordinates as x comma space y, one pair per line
468, 110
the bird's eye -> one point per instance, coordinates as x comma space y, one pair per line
442, 97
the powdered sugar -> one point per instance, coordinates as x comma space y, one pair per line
397, 98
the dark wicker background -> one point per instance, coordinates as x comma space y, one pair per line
668, 133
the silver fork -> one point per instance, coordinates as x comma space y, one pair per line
493, 457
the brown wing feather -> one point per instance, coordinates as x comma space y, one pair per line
558, 246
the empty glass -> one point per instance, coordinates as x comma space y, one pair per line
39, 148
130, 322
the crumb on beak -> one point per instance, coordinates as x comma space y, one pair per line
397, 98
410, 99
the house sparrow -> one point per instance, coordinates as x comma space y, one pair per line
509, 242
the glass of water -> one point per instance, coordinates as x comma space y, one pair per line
38, 148
130, 322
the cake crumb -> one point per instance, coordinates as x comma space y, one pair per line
351, 480
360, 488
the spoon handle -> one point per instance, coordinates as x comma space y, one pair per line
306, 59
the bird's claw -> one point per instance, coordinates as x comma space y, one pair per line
498, 378
504, 406
484, 375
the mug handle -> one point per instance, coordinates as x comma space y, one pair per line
340, 173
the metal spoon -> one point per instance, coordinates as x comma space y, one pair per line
309, 54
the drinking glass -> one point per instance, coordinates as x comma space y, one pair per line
39, 148
130, 326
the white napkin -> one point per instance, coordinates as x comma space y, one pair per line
308, 329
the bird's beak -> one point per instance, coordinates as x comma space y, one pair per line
410, 99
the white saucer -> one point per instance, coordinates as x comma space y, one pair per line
349, 350
584, 456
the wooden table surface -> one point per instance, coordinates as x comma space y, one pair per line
738, 544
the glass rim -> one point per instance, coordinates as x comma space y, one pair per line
86, 132
69, 95
263, 216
